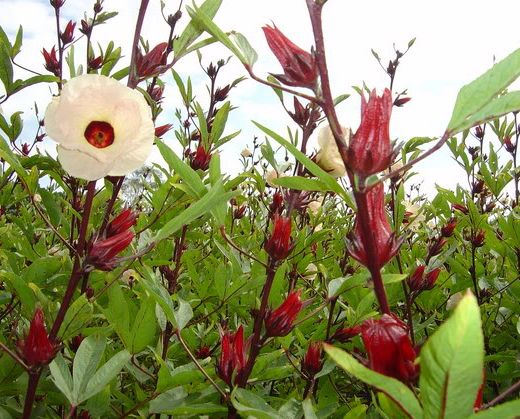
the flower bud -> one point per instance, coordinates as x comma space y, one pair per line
152, 63
221, 94
246, 153
102, 252
26, 148
478, 239
509, 146
345, 334
279, 245
276, 206
479, 132
402, 101
280, 322
460, 208
436, 246
299, 66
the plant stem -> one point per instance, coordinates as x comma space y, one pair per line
30, 395
371, 250
514, 388
133, 79
13, 355
256, 340
200, 368
76, 270
315, 10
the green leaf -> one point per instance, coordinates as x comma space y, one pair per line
248, 404
85, 364
474, 97
144, 326
316, 170
452, 362
215, 196
194, 30
77, 316
301, 183
61, 377
11, 159
17, 46
105, 374
219, 123
245, 47
183, 314
508, 410
6, 68
205, 21
308, 409
393, 388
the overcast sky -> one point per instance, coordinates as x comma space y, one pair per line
456, 41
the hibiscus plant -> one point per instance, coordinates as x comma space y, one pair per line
140, 276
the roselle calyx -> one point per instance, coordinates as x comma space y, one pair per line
299, 66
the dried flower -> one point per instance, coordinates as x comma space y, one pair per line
37, 349
102, 127
279, 245
370, 150
386, 243
389, 348
299, 66
280, 322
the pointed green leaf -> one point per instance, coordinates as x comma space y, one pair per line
85, 364
61, 377
452, 362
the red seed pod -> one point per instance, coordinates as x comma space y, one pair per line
122, 222
436, 246
478, 239
299, 66
276, 206
153, 63
479, 132
203, 352
280, 322
402, 101
509, 146
416, 280
460, 208
67, 36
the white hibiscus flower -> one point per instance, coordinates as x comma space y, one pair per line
101, 126
328, 157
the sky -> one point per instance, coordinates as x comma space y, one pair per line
456, 41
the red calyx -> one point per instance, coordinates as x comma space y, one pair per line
448, 228
153, 63
102, 253
387, 244
122, 222
37, 349
232, 355
311, 364
389, 348
280, 322
279, 245
200, 159
345, 334
162, 129
299, 66
370, 150
51, 61
67, 36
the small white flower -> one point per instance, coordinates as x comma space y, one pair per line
270, 176
37, 198
415, 215
101, 126
310, 272
314, 207
245, 153
328, 157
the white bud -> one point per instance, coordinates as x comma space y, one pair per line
328, 157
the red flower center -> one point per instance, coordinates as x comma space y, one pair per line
100, 134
